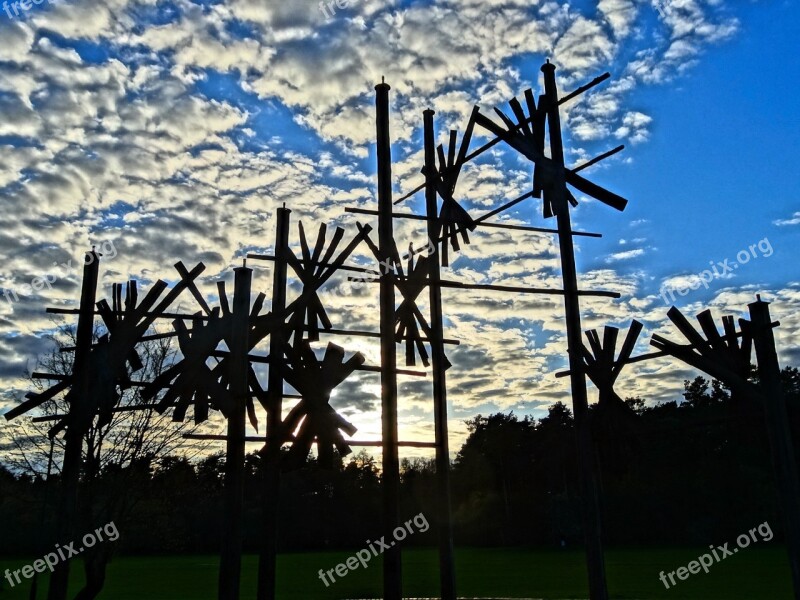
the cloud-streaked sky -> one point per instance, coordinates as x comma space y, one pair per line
173, 130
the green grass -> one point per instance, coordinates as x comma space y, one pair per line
759, 573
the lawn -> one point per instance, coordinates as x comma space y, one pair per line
756, 574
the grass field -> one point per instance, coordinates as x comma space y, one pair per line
754, 574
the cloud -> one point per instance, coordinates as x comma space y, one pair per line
176, 134
620, 14
634, 127
793, 220
626, 255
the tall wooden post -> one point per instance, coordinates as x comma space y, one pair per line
231, 555
780, 437
438, 362
80, 420
267, 572
591, 513
392, 568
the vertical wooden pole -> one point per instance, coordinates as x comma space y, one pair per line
780, 437
267, 572
392, 574
592, 524
231, 557
79, 422
447, 576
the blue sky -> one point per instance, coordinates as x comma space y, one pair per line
722, 150
173, 130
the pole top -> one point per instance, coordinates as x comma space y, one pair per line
759, 303
244, 268
758, 299
548, 67
382, 86
428, 111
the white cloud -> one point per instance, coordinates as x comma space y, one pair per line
793, 220
127, 149
626, 255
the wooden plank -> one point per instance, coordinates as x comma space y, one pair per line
231, 553
440, 364
590, 502
412, 216
392, 566
780, 436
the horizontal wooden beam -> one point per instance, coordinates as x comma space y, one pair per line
271, 258
343, 332
634, 359
584, 88
597, 159
163, 315
369, 368
401, 215
375, 334
51, 376
366, 444
517, 289
118, 409
419, 188
504, 207
522, 290
134, 408
220, 438
262, 440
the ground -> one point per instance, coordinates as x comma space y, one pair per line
754, 574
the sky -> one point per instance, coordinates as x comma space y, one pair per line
166, 131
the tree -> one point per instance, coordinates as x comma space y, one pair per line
636, 404
363, 471
116, 456
697, 394
497, 454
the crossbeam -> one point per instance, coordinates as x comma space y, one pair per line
158, 315
261, 440
343, 332
518, 290
134, 408
400, 215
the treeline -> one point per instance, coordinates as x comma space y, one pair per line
689, 472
